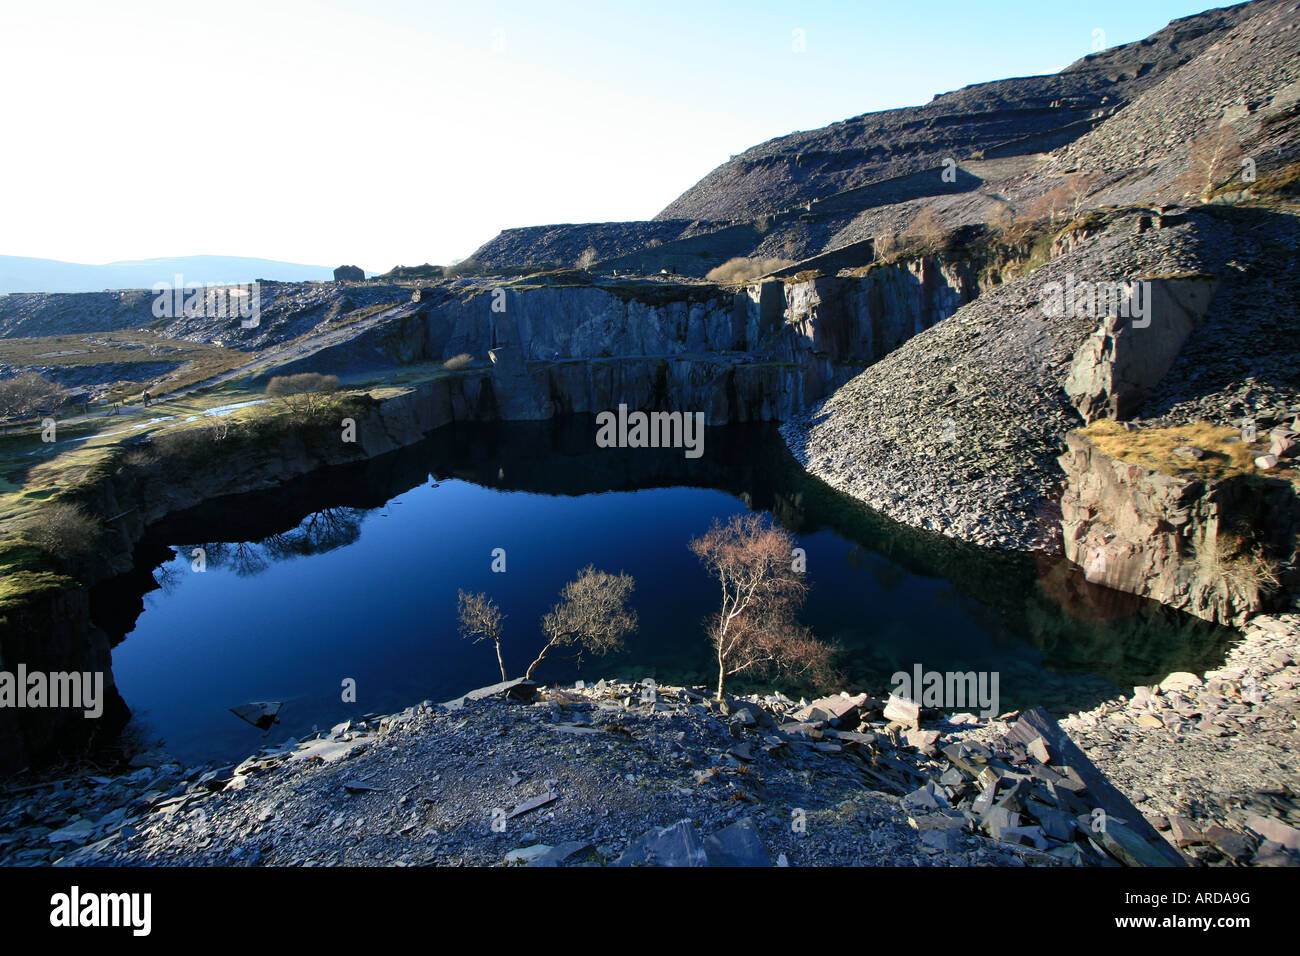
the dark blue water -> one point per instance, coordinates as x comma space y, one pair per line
354, 575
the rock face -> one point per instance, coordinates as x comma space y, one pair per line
762, 353
55, 635
1169, 537
349, 274
957, 429
1126, 357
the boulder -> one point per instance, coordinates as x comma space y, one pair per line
903, 711
676, 845
926, 798
528, 854
517, 689
1126, 357
1275, 831
1179, 681
554, 856
737, 845
1284, 443
945, 841
836, 711
923, 740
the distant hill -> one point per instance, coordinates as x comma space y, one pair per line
23, 274
808, 192
1001, 118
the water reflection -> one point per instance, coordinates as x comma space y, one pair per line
889, 595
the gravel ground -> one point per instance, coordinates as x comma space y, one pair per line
434, 786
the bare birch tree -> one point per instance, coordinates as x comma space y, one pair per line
480, 620
1211, 160
592, 613
754, 630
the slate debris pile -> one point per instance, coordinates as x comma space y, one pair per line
1209, 758
628, 774
1034, 788
991, 375
1265, 832
587, 775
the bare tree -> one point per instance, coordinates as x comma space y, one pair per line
27, 393
62, 528
305, 394
592, 613
754, 630
1077, 187
247, 558
925, 234
1066, 196
480, 620
1210, 161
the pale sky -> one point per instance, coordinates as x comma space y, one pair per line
386, 132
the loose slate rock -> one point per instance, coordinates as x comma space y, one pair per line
528, 806
737, 845
903, 711
676, 845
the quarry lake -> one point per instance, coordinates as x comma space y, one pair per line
353, 573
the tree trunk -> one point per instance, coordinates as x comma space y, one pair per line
722, 679
528, 674
500, 663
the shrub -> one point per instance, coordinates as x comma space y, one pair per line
742, 269
283, 385
458, 362
62, 528
306, 395
1240, 564
1067, 198
28, 393
925, 234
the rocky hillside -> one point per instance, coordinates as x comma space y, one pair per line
1005, 117
977, 408
799, 195
563, 245
288, 310
974, 409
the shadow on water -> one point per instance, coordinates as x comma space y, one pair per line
892, 597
